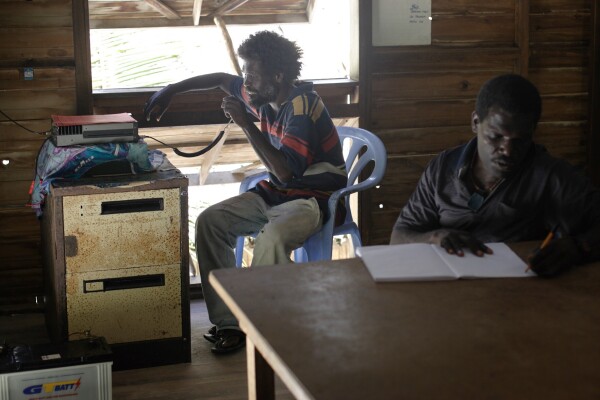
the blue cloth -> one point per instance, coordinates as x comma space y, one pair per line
72, 162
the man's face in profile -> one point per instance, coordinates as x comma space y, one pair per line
261, 87
502, 140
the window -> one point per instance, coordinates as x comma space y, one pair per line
151, 57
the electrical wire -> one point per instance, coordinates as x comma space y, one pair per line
197, 153
175, 150
24, 127
45, 133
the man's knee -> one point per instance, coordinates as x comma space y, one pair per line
212, 220
290, 234
207, 216
271, 235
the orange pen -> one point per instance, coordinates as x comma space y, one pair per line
546, 241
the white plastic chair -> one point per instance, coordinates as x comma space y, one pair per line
365, 148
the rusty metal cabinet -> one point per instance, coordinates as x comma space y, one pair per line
116, 265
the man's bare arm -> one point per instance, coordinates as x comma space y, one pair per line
159, 102
272, 158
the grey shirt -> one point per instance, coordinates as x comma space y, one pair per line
545, 192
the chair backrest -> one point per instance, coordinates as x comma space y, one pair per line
252, 180
365, 148
361, 148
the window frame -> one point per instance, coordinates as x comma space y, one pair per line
340, 95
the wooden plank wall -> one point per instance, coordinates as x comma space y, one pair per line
419, 99
49, 35
34, 34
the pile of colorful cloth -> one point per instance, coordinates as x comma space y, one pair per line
73, 162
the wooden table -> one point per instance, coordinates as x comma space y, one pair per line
330, 332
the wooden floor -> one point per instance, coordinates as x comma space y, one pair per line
206, 377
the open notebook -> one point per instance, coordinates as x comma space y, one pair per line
421, 261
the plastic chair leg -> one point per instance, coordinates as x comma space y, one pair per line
239, 251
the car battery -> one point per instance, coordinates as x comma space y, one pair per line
80, 369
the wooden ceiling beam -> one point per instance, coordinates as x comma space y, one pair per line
233, 19
197, 10
227, 7
229, 44
164, 9
310, 6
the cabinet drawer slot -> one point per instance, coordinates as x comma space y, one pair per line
128, 282
131, 206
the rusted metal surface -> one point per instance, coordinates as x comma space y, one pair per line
111, 236
118, 263
96, 241
127, 315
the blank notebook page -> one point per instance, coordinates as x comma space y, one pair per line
504, 263
421, 261
407, 262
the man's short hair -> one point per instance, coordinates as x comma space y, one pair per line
274, 52
512, 93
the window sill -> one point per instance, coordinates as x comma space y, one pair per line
203, 107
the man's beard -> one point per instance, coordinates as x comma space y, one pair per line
263, 97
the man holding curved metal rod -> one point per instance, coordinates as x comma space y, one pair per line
298, 144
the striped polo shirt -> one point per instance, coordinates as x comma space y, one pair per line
304, 132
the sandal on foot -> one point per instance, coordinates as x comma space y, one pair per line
211, 335
229, 341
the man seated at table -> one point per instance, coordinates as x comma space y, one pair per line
502, 187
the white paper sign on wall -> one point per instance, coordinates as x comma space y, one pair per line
401, 22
